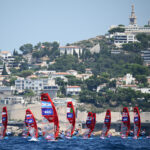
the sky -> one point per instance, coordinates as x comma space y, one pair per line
64, 21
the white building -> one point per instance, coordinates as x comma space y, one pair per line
83, 76
100, 87
51, 90
144, 90
44, 72
5, 54
7, 90
123, 38
13, 100
129, 79
37, 85
60, 75
88, 71
73, 72
63, 101
130, 31
73, 90
145, 55
69, 50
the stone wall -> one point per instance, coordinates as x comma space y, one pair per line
17, 112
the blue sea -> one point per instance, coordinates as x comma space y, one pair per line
113, 143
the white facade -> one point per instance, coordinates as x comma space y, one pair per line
145, 55
137, 29
144, 90
13, 100
129, 79
73, 72
38, 86
63, 101
35, 85
88, 71
123, 38
100, 87
44, 72
5, 54
60, 75
51, 90
70, 49
73, 90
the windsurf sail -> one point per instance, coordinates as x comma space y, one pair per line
107, 124
50, 118
71, 118
137, 122
30, 126
4, 122
125, 125
89, 125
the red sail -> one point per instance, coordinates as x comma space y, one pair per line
49, 112
4, 121
107, 123
89, 123
71, 116
30, 122
125, 126
137, 122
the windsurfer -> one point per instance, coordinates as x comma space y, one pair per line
106, 125
68, 131
137, 123
125, 126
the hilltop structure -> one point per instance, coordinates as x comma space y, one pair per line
130, 31
133, 17
70, 50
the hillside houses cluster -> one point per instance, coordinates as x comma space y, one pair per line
45, 81
40, 81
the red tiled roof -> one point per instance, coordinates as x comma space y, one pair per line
62, 73
73, 86
69, 47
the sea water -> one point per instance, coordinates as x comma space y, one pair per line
113, 143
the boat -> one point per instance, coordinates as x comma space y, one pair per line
89, 125
4, 122
30, 126
125, 125
106, 125
137, 123
71, 118
50, 118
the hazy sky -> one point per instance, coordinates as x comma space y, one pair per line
66, 21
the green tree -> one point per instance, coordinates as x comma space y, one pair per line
24, 66
133, 47
12, 81
25, 73
141, 79
15, 53
144, 39
117, 29
4, 72
26, 48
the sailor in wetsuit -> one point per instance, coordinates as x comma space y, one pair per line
136, 123
124, 123
106, 122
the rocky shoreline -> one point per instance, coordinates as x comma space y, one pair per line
17, 131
